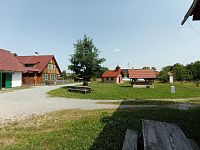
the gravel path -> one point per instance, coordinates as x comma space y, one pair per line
34, 101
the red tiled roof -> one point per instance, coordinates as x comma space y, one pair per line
141, 74
113, 73
8, 62
40, 62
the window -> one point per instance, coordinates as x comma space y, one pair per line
46, 77
52, 67
112, 79
51, 77
55, 77
49, 66
29, 65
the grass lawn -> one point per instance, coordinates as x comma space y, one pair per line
99, 129
125, 91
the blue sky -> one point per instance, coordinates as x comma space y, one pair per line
141, 33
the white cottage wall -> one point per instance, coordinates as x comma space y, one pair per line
17, 79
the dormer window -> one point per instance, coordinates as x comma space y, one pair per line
29, 65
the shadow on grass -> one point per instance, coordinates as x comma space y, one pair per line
115, 126
142, 102
125, 86
65, 87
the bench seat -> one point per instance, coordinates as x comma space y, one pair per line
131, 140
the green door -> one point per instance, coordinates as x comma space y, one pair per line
8, 80
0, 80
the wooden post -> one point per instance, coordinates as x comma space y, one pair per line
35, 78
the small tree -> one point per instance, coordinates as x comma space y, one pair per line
85, 61
163, 76
64, 75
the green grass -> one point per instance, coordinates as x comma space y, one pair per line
100, 129
125, 91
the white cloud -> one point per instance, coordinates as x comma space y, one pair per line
116, 50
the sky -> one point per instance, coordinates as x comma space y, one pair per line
129, 33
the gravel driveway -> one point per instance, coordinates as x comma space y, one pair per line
24, 103
34, 101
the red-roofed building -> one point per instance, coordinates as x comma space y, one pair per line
40, 69
113, 76
10, 70
142, 77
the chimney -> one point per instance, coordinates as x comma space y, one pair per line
15, 54
117, 68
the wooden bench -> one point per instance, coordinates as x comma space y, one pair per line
82, 89
131, 140
158, 135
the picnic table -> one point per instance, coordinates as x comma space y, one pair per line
159, 136
82, 89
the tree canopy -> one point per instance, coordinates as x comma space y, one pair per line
190, 72
85, 61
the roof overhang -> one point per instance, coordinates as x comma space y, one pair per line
29, 69
193, 11
7, 71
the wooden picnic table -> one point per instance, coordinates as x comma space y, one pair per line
83, 89
158, 136
164, 136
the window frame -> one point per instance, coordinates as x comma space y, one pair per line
46, 77
51, 77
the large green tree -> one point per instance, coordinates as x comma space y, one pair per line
85, 61
194, 69
180, 72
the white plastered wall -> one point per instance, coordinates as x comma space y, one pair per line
17, 79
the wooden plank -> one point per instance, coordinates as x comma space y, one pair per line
164, 136
194, 144
130, 141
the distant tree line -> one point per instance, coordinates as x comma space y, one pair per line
190, 72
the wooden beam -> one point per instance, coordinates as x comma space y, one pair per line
190, 11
